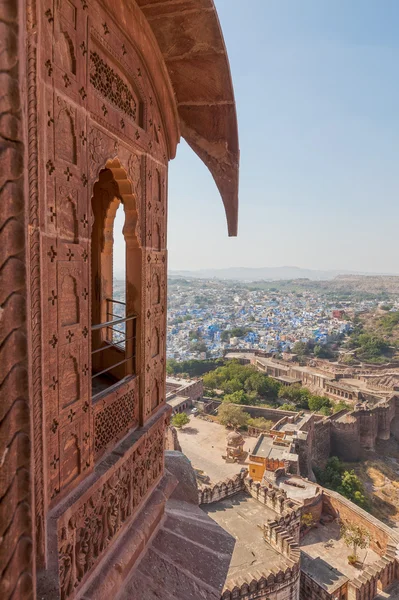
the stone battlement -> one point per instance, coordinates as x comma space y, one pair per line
273, 498
280, 539
223, 489
383, 570
244, 589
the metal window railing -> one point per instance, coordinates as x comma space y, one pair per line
116, 333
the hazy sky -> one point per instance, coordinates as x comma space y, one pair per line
317, 92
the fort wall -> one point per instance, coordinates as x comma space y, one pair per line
282, 585
223, 489
321, 448
345, 439
346, 433
382, 536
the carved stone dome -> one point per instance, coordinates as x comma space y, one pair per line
235, 439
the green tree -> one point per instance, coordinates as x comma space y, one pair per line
336, 477
233, 377
233, 385
355, 536
316, 403
179, 420
322, 351
288, 406
198, 347
296, 394
299, 348
237, 397
260, 423
171, 366
352, 488
326, 411
341, 405
232, 415
307, 520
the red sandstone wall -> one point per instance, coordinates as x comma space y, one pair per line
336, 505
16, 438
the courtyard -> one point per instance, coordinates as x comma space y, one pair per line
330, 567
204, 443
243, 517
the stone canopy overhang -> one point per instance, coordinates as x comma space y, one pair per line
189, 36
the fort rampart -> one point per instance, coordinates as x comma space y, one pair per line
223, 489
347, 432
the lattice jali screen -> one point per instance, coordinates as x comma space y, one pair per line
111, 86
113, 421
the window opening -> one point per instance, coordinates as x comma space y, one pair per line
113, 330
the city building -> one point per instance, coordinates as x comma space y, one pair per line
368, 383
182, 394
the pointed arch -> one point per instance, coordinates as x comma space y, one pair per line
112, 189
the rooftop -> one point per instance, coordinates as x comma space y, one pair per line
297, 488
267, 448
292, 423
243, 518
176, 401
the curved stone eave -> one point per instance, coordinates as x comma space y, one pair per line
224, 170
191, 41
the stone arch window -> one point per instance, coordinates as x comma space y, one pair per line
115, 306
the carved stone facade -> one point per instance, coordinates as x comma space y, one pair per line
93, 91
89, 119
90, 526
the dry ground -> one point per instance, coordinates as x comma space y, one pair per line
204, 443
379, 472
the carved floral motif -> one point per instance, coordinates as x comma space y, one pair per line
111, 86
113, 420
93, 525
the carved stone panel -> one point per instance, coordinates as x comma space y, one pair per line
66, 146
70, 375
115, 415
94, 102
93, 523
69, 290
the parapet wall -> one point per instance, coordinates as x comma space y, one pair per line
271, 414
223, 489
382, 536
273, 498
281, 540
382, 572
283, 584
281, 533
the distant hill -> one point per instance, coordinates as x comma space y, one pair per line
266, 273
